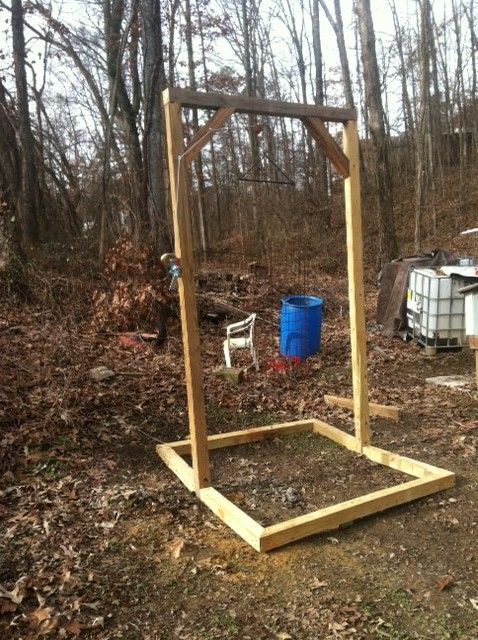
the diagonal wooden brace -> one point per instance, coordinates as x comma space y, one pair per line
334, 153
205, 133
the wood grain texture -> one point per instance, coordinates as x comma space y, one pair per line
329, 146
353, 219
178, 180
404, 464
179, 466
382, 410
205, 133
246, 104
332, 517
243, 436
247, 528
337, 435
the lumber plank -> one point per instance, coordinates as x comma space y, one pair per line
178, 181
247, 528
383, 410
473, 342
402, 463
205, 133
243, 436
329, 146
332, 517
247, 104
353, 219
337, 435
179, 466
476, 367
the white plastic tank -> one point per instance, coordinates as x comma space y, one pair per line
435, 309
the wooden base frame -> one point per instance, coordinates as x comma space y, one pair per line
428, 480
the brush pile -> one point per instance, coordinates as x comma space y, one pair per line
135, 293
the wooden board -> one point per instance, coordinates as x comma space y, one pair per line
259, 106
473, 342
178, 181
332, 517
238, 520
243, 436
402, 463
205, 133
174, 461
334, 153
383, 410
353, 220
476, 367
338, 436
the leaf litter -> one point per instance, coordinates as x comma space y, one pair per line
94, 530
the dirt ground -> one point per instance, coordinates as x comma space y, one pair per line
100, 540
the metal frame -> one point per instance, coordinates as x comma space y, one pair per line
196, 477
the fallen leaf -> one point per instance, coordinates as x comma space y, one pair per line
318, 584
74, 627
444, 583
176, 548
40, 614
6, 606
126, 341
98, 622
474, 603
47, 626
14, 595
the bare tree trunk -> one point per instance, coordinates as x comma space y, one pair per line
407, 107
386, 223
154, 81
215, 177
320, 99
252, 120
338, 27
125, 109
198, 161
30, 193
296, 33
460, 91
10, 185
423, 131
470, 16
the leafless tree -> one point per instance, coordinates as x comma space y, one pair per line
388, 248
30, 197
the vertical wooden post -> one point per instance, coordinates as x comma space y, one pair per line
473, 342
178, 180
476, 367
353, 217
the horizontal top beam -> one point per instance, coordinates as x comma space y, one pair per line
246, 104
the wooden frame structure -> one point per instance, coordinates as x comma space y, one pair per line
196, 477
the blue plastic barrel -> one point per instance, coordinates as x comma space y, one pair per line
300, 326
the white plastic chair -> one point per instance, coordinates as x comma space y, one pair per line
240, 335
